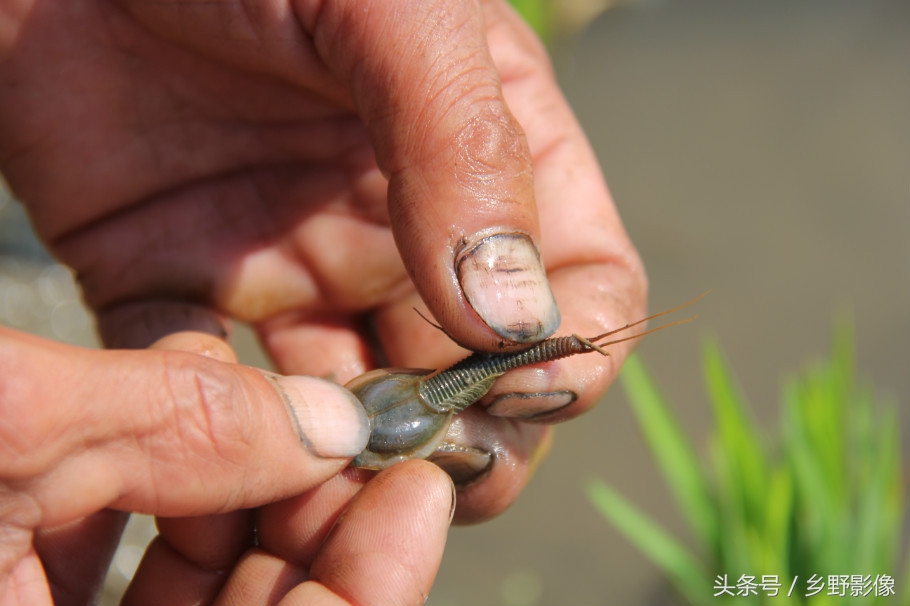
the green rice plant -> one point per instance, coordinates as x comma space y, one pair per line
813, 517
538, 14
559, 20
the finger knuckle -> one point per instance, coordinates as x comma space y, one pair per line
19, 516
30, 438
206, 402
492, 154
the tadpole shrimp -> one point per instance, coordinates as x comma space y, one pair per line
410, 410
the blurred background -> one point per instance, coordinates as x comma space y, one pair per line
757, 148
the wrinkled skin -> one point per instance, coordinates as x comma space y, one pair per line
311, 168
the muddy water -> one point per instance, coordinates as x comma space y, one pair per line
760, 149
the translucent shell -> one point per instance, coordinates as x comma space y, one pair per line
406, 422
410, 409
402, 425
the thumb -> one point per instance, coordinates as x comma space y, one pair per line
461, 191
162, 432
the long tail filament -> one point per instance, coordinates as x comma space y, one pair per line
600, 347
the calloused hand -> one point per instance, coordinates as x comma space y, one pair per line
318, 169
182, 435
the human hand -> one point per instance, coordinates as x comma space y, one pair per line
182, 435
201, 161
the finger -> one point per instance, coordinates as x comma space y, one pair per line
534, 391
461, 195
290, 533
140, 324
495, 460
600, 275
187, 562
561, 390
387, 546
597, 276
491, 461
25, 585
261, 579
76, 556
384, 549
282, 239
295, 529
595, 273
329, 346
164, 432
199, 343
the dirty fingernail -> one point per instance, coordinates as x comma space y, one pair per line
503, 279
530, 405
454, 502
464, 464
329, 420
